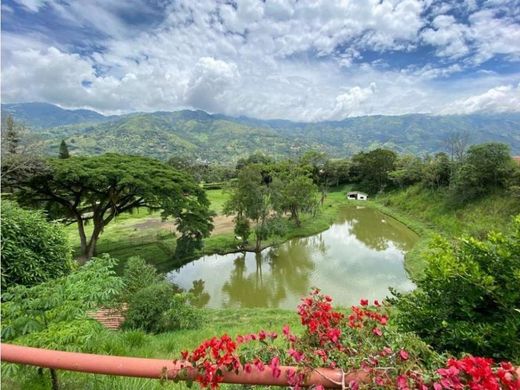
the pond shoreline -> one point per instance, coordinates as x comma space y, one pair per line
412, 261
358, 256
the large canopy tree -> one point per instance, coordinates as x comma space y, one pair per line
97, 189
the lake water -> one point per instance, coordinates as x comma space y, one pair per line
360, 256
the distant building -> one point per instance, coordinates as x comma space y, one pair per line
516, 159
356, 195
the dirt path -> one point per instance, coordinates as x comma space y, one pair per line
223, 224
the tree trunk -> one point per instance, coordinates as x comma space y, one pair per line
258, 243
90, 249
82, 236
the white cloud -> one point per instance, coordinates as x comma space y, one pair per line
351, 102
448, 35
505, 98
209, 82
273, 59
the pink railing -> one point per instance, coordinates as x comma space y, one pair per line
159, 368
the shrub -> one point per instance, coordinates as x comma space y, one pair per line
159, 308
138, 275
33, 249
469, 297
51, 314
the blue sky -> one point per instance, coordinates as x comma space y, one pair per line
299, 60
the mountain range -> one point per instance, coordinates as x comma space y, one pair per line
221, 138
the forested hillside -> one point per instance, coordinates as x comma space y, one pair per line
203, 136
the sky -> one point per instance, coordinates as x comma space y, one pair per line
284, 59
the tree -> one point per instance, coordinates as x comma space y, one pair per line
436, 171
64, 150
251, 199
336, 171
33, 250
12, 138
20, 153
294, 192
468, 298
372, 169
456, 143
485, 167
408, 171
97, 189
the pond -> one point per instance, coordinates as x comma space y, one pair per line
359, 256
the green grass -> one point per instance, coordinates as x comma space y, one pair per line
429, 212
164, 346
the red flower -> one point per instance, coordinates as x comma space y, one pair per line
297, 356
403, 354
402, 383
364, 302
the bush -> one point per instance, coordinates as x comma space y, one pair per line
33, 249
469, 297
158, 308
52, 313
138, 275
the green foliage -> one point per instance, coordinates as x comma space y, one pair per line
468, 299
45, 310
408, 170
159, 308
12, 138
437, 171
33, 250
138, 275
337, 171
372, 169
485, 167
251, 199
294, 192
71, 190
64, 150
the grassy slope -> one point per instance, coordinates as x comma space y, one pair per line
429, 212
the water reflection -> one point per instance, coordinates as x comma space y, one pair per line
360, 256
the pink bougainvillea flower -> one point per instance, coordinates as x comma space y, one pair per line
377, 332
403, 354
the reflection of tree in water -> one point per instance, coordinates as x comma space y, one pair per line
200, 297
376, 230
290, 266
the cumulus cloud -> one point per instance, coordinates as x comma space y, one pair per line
448, 36
505, 98
268, 59
209, 83
351, 102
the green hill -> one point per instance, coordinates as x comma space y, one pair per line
198, 134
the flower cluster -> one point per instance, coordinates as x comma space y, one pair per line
359, 343
477, 373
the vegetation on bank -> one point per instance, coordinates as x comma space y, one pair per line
469, 284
